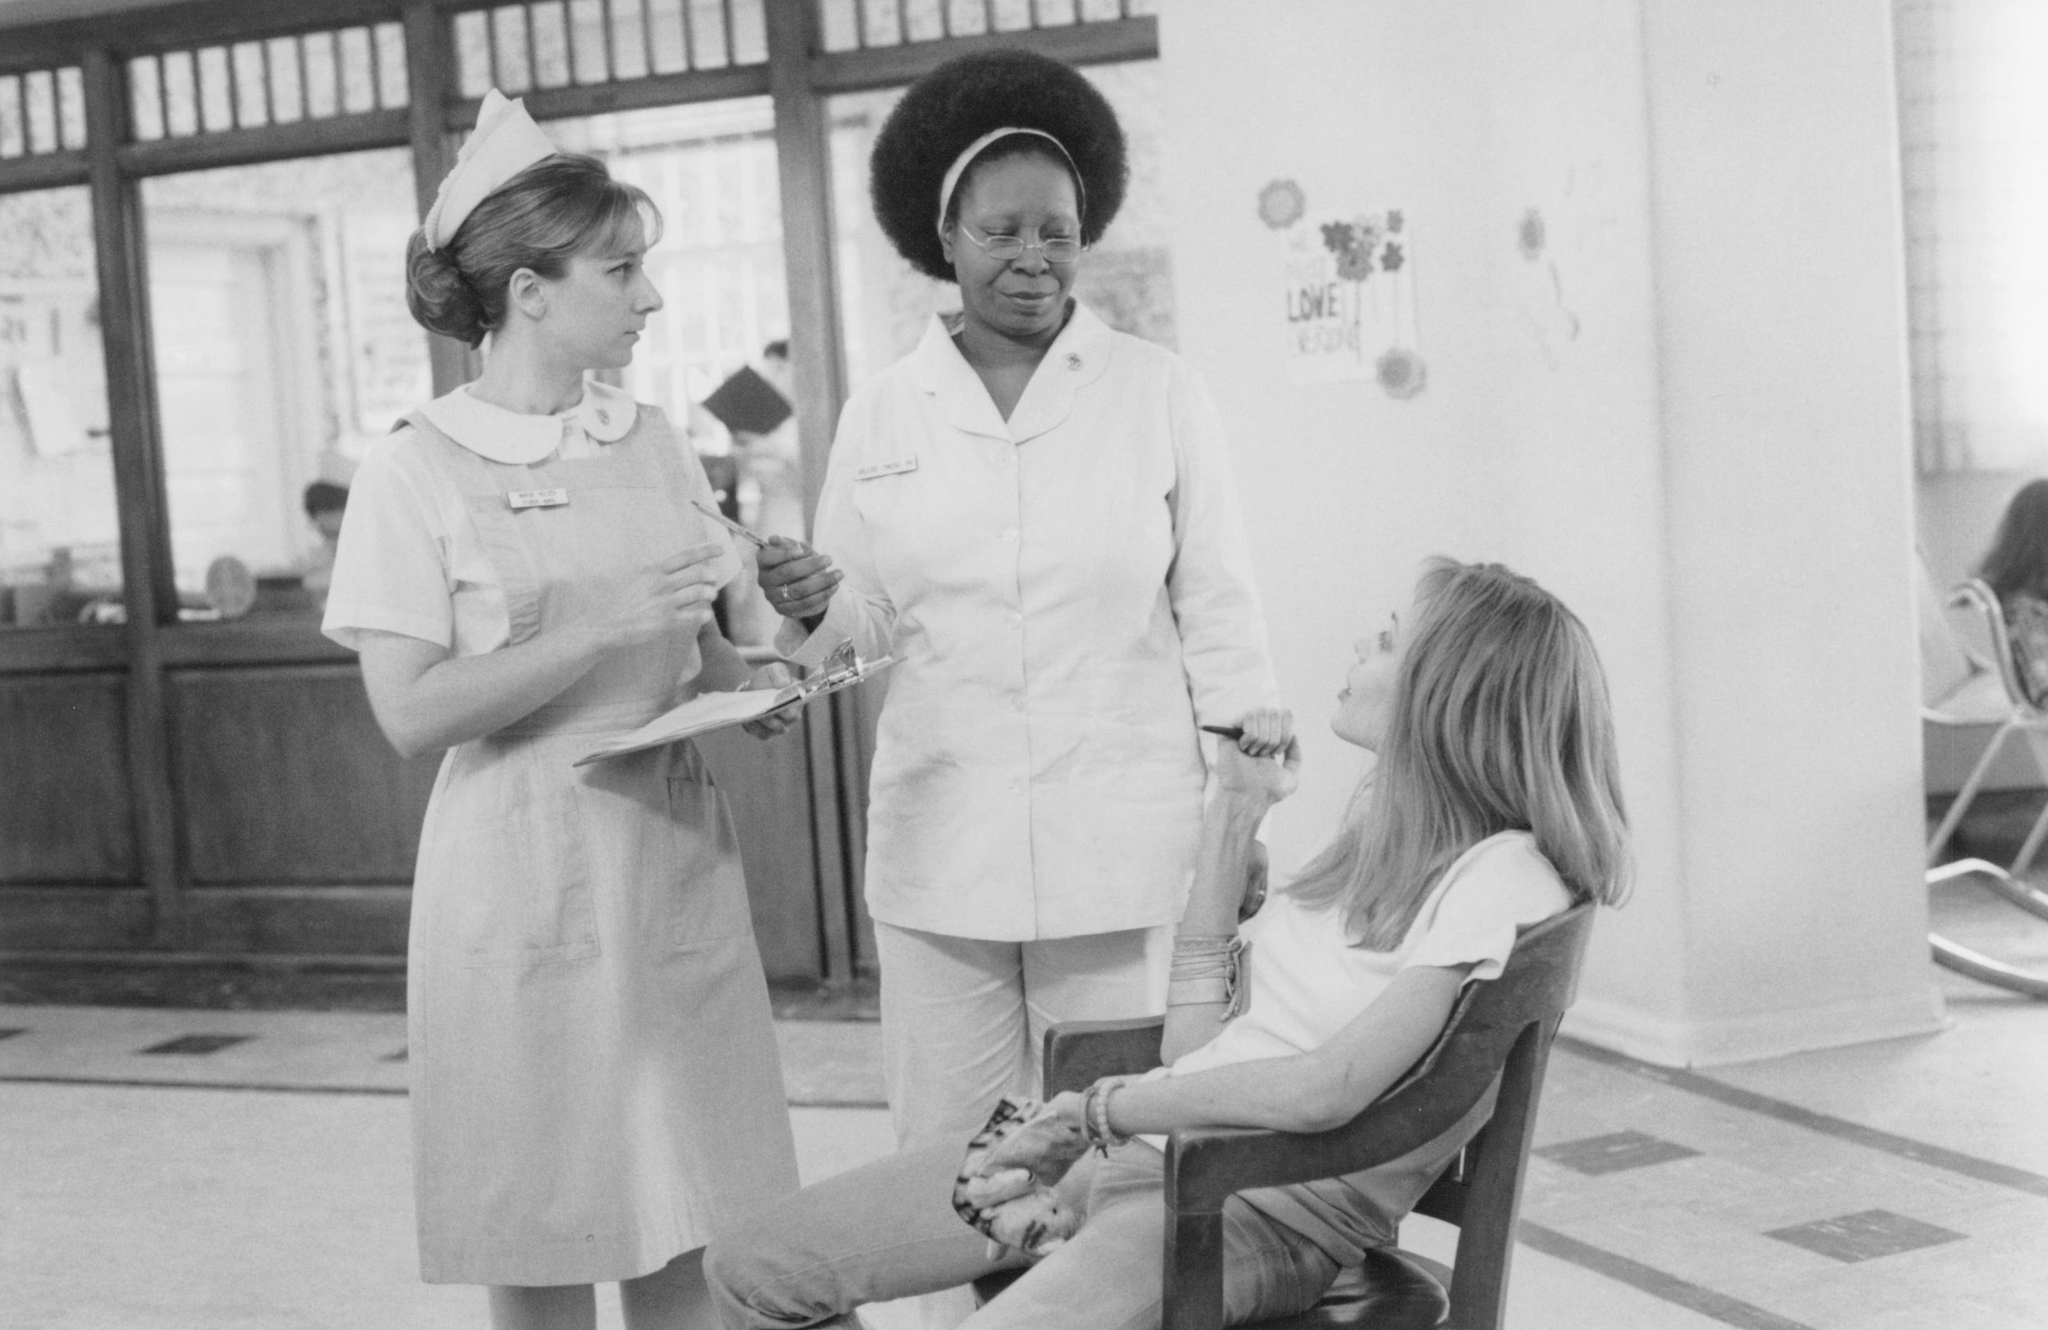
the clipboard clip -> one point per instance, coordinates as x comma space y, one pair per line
842, 669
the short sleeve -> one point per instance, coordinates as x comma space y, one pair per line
1501, 887
391, 564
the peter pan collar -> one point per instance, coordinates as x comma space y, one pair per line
604, 413
1077, 357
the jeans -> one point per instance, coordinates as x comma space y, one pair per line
887, 1230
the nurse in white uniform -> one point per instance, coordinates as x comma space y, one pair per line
1035, 515
595, 1092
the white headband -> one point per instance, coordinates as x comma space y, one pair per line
504, 143
973, 150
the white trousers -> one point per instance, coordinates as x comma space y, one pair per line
964, 1020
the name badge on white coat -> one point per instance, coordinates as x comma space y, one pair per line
874, 469
536, 499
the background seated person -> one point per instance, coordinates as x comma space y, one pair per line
2016, 568
1496, 803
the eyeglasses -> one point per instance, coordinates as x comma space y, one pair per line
1056, 249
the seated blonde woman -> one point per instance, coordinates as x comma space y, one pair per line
1495, 803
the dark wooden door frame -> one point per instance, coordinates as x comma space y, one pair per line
798, 76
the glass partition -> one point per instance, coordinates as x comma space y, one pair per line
283, 351
712, 170
59, 533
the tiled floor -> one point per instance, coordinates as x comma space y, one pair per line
164, 1168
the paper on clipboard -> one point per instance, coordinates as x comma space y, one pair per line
715, 711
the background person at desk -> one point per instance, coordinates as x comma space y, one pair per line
595, 1091
1035, 515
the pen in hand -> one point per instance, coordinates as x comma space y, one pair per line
759, 542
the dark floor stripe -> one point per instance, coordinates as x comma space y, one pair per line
1905, 1147
1648, 1279
136, 1083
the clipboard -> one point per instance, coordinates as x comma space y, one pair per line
715, 711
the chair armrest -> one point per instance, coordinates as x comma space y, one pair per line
1205, 1165
1078, 1053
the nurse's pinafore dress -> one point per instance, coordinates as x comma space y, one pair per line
594, 1080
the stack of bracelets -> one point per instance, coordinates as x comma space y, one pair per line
1210, 968
1095, 1113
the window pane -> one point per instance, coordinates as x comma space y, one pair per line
283, 352
711, 169
59, 535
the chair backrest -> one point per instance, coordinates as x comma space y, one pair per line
1482, 1192
1946, 661
1977, 596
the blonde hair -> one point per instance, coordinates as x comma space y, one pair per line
1498, 721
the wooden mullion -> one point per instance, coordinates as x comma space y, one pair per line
305, 78
532, 48
647, 35
690, 33
491, 46
146, 570
269, 93
358, 132
193, 23
804, 163
611, 44
1107, 42
686, 86
429, 55
52, 170
376, 69
732, 49
21, 114
227, 51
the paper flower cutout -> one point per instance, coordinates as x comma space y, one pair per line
1532, 235
1401, 373
1391, 257
1353, 244
1281, 204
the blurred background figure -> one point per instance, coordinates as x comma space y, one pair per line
325, 502
2016, 568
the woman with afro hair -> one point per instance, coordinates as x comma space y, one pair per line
1034, 514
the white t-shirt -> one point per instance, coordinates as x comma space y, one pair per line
1308, 981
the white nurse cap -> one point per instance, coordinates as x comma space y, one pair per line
504, 143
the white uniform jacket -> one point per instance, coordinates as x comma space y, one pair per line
1067, 595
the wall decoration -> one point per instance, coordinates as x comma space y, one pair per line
1540, 290
1349, 291
1281, 204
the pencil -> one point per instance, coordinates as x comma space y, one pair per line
728, 523
1227, 731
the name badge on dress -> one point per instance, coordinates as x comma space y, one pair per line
537, 498
874, 469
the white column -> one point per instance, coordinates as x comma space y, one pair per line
1686, 415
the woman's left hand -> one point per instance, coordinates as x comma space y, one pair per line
1265, 731
1258, 777
773, 675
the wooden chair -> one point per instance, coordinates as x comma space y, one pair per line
1498, 1031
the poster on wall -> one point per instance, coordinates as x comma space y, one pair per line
1349, 293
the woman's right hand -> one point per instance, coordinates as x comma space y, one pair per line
673, 594
797, 580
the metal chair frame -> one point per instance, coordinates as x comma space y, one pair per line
2023, 717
